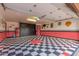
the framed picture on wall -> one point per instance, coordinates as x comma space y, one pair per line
43, 26
51, 25
47, 25
59, 23
68, 23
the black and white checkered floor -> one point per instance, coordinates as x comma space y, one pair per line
50, 46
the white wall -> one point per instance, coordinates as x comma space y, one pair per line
11, 26
2, 25
74, 26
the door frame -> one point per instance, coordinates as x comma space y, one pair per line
25, 23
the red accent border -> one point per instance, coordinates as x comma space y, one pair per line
62, 34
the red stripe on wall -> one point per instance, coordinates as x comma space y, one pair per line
2, 36
62, 34
17, 32
10, 34
38, 27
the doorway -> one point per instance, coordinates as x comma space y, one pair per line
27, 29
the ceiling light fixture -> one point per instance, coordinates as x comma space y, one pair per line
33, 18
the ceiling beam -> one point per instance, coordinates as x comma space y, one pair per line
74, 7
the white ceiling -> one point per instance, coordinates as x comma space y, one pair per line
45, 11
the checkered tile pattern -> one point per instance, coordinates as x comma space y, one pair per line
16, 41
50, 46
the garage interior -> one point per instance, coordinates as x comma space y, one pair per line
39, 29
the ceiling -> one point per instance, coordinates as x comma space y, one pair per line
74, 7
45, 11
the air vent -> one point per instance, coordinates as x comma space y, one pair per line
43, 16
30, 10
34, 5
58, 8
50, 12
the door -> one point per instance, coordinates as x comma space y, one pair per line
27, 29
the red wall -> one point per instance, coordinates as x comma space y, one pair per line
62, 34
4, 35
17, 32
10, 34
38, 28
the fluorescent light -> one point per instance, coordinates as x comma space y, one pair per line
31, 20
36, 18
